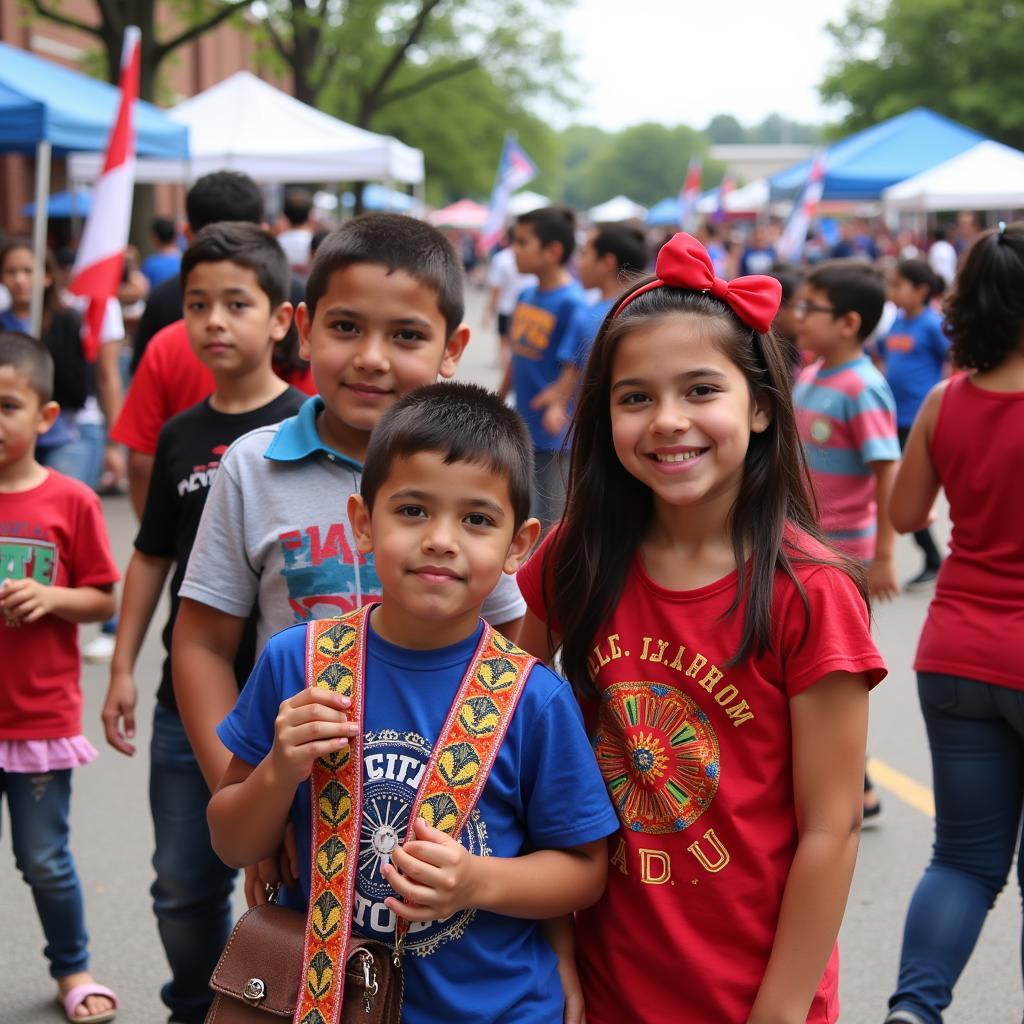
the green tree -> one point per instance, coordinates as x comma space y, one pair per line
357, 58
460, 125
645, 162
111, 17
724, 129
962, 60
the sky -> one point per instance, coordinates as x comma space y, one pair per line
681, 62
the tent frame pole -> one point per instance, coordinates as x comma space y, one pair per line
44, 151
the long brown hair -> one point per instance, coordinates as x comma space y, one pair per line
609, 512
51, 293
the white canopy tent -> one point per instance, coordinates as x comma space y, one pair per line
525, 202
750, 198
244, 124
616, 210
988, 176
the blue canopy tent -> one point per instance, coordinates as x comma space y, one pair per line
664, 212
45, 108
63, 204
861, 165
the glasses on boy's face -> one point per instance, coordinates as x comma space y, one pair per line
805, 308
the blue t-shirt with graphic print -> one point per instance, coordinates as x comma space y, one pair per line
539, 323
545, 791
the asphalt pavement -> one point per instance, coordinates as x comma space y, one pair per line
112, 838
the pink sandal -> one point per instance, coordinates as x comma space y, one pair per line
78, 995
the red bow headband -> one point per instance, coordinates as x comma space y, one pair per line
684, 263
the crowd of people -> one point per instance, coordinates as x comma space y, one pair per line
686, 515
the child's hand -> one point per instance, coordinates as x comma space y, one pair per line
438, 875
309, 725
117, 708
26, 600
882, 583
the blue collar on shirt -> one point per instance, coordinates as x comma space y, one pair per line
297, 438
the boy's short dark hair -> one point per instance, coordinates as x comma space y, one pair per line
398, 243
298, 204
462, 422
247, 246
789, 276
626, 244
30, 358
163, 230
222, 196
852, 286
553, 224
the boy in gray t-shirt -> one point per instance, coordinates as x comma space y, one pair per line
383, 316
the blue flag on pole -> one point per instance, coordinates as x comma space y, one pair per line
515, 169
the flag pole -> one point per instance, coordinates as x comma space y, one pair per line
39, 223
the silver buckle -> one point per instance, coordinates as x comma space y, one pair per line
254, 990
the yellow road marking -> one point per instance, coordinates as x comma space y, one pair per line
902, 786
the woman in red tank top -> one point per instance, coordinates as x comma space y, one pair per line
968, 439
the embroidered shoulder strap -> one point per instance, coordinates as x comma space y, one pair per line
452, 782
469, 742
334, 661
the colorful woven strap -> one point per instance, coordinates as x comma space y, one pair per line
464, 753
454, 778
335, 661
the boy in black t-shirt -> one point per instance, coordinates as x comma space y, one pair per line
235, 283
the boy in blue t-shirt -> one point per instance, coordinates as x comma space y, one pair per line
543, 241
914, 357
611, 257
443, 506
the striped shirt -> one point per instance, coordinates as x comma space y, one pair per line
847, 420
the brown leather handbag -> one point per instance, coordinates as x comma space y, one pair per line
259, 973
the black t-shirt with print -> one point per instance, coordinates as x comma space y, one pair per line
187, 456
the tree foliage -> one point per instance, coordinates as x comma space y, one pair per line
460, 125
645, 162
110, 18
356, 58
962, 60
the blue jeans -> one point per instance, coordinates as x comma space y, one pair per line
192, 891
38, 806
80, 458
976, 735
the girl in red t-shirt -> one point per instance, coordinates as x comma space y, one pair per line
722, 655
968, 439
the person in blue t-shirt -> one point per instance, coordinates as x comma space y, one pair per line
165, 261
543, 241
443, 506
914, 356
610, 259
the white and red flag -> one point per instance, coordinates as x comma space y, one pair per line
790, 246
689, 194
100, 260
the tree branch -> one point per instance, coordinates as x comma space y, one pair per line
370, 97
196, 30
460, 67
111, 16
63, 19
278, 41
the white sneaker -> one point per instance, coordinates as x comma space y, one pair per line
99, 649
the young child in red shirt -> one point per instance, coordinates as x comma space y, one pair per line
56, 570
723, 656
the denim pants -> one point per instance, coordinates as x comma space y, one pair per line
80, 458
192, 891
976, 735
38, 806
